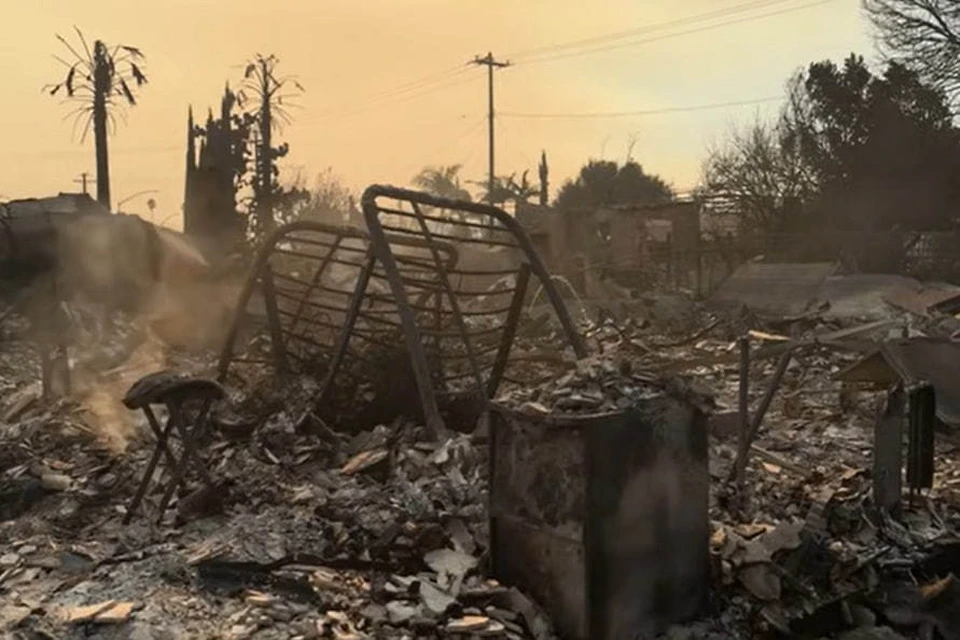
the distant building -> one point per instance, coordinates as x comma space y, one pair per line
621, 239
62, 203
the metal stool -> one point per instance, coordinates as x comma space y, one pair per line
173, 391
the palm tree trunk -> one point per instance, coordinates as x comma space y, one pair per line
100, 142
266, 168
265, 208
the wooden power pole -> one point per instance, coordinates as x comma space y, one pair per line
490, 63
83, 180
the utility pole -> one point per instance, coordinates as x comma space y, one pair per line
83, 180
490, 63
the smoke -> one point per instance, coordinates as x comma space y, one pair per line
101, 394
136, 294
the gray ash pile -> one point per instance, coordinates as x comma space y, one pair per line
597, 386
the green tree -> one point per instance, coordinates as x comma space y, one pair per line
881, 150
544, 172
508, 189
442, 181
215, 176
604, 182
102, 79
859, 162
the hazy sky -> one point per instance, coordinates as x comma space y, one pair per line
352, 56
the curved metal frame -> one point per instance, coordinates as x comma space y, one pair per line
261, 264
384, 253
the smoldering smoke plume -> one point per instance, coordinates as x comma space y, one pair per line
101, 394
156, 280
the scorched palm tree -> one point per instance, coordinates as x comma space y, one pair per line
101, 79
267, 95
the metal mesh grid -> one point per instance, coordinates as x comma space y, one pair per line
297, 298
425, 305
461, 343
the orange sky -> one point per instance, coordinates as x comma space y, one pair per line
344, 52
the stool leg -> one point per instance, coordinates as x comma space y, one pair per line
158, 450
162, 435
179, 467
190, 455
167, 496
176, 478
202, 423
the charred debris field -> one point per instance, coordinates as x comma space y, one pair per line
587, 406
304, 529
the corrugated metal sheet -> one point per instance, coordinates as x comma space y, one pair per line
774, 289
920, 302
916, 360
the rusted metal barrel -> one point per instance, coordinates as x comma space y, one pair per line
603, 518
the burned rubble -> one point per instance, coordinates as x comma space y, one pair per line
383, 533
723, 476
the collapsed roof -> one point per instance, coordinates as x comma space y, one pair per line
62, 203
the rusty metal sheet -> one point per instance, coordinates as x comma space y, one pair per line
772, 289
537, 512
923, 300
888, 452
914, 361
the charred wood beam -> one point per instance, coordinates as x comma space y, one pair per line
743, 452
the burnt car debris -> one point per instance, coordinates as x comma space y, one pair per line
413, 428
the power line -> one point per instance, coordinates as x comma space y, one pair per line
646, 112
456, 76
411, 90
442, 79
413, 84
679, 22
450, 143
668, 36
63, 153
333, 117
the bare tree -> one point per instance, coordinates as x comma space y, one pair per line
922, 34
330, 201
101, 79
756, 178
269, 97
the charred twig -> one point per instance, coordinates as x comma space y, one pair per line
692, 337
778, 460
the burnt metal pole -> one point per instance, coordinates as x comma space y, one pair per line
753, 425
490, 63
744, 399
888, 451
